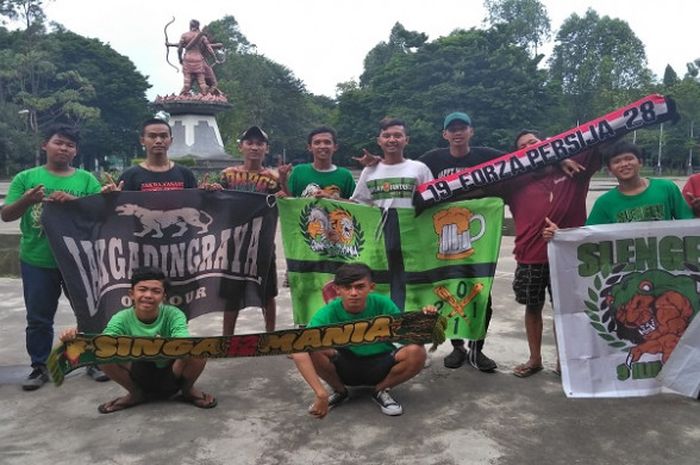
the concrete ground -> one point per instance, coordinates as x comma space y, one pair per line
457, 416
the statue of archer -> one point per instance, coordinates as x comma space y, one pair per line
193, 50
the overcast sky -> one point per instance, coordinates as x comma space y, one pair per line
325, 42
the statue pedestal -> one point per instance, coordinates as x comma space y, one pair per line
195, 131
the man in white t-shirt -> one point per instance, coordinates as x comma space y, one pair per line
392, 182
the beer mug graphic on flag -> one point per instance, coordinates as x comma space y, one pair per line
452, 225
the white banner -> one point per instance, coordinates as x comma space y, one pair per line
682, 371
623, 296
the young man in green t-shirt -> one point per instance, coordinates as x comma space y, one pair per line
321, 178
150, 317
381, 365
635, 198
55, 181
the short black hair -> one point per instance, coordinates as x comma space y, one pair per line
323, 130
151, 121
389, 122
64, 130
351, 272
522, 132
148, 274
619, 148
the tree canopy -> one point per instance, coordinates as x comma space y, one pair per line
599, 63
59, 76
526, 20
493, 72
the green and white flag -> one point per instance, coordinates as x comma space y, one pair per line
445, 256
624, 295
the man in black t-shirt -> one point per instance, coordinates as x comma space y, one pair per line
157, 172
458, 131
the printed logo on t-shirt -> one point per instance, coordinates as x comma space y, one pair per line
248, 181
643, 213
448, 171
158, 186
392, 188
312, 189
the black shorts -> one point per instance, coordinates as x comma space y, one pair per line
248, 293
530, 283
156, 382
271, 281
354, 370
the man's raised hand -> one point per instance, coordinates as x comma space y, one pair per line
367, 158
111, 186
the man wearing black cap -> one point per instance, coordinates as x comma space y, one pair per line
252, 177
458, 131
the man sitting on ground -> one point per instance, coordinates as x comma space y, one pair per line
381, 365
150, 317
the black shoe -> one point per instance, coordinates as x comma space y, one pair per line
96, 374
37, 378
481, 362
388, 404
456, 358
337, 398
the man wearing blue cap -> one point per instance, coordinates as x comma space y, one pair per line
458, 132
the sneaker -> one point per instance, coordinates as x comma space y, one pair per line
37, 378
387, 403
96, 374
335, 399
428, 361
456, 358
481, 362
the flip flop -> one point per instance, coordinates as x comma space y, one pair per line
116, 405
525, 370
203, 401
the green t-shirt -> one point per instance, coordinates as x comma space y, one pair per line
662, 200
171, 322
376, 305
305, 179
34, 247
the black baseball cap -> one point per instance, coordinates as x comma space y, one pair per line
253, 132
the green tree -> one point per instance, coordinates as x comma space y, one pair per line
15, 147
401, 42
227, 32
481, 71
30, 12
32, 81
264, 93
599, 64
61, 76
670, 76
678, 140
526, 20
119, 95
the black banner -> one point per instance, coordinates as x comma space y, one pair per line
216, 248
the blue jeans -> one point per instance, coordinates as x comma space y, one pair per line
42, 289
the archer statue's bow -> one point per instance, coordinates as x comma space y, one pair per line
168, 45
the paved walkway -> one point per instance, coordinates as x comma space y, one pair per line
451, 416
